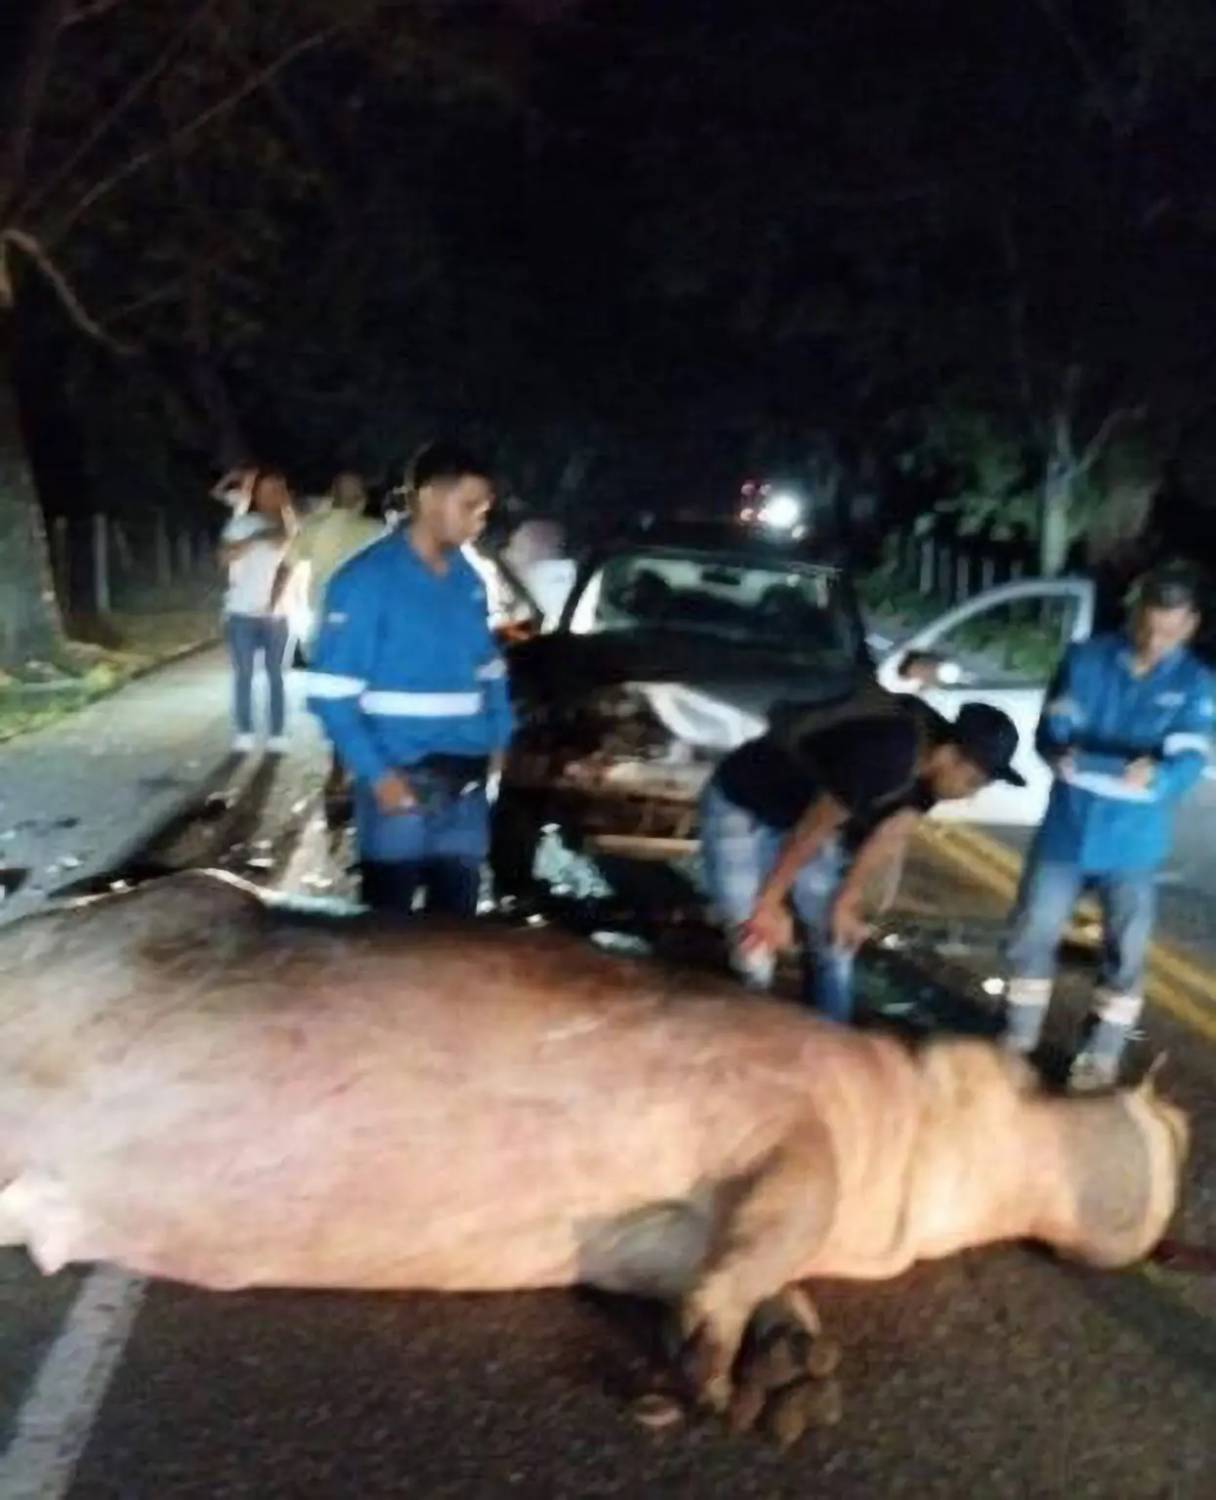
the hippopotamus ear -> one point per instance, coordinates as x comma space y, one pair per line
1148, 1084
1176, 1119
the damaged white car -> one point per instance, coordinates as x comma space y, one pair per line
678, 645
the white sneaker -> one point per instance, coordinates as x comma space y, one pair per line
1092, 1075
278, 744
242, 744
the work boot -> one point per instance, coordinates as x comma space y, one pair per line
1107, 1032
1026, 1002
1093, 1072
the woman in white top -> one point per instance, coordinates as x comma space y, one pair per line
251, 547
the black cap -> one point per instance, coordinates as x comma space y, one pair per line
1172, 585
989, 738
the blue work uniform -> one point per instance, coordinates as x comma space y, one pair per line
406, 676
1100, 831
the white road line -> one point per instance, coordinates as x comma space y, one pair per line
61, 1406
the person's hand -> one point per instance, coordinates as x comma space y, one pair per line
1065, 765
236, 485
1141, 772
770, 929
393, 793
848, 927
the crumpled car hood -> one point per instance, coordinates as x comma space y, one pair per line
706, 694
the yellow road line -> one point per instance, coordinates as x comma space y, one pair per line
1170, 975
1165, 956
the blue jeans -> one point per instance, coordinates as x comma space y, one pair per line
439, 851
247, 635
738, 853
1045, 904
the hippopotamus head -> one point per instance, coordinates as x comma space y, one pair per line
1124, 1152
1001, 1156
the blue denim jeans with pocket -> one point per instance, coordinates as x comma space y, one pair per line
249, 635
1048, 896
438, 849
738, 853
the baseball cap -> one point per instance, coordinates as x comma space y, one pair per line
988, 738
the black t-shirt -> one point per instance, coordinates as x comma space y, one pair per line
868, 764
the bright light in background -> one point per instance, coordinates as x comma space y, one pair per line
782, 511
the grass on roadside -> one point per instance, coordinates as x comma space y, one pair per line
101, 656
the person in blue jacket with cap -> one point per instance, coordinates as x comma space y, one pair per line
1127, 732
410, 686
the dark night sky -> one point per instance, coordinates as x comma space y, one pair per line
661, 246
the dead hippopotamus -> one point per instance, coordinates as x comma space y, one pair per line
197, 1084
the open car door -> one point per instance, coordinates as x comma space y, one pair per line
1002, 647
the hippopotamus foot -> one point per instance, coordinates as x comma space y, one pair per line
739, 1314
780, 1384
783, 1381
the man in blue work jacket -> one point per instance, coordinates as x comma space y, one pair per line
1127, 731
410, 686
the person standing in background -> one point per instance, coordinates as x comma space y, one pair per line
252, 544
324, 540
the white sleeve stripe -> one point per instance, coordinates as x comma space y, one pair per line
492, 670
1065, 708
395, 705
1182, 744
331, 685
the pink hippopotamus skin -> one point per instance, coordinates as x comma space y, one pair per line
200, 1084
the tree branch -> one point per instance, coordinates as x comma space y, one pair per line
213, 112
163, 293
300, 134
1089, 69
89, 12
31, 74
1097, 444
116, 111
35, 251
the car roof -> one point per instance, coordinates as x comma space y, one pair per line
737, 538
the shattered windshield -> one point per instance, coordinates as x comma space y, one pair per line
779, 607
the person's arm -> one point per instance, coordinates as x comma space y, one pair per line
295, 552
282, 577
230, 548
342, 660
861, 763
492, 675
235, 482
1186, 751
880, 859
228, 552
1063, 718
770, 925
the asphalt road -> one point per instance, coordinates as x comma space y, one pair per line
998, 1373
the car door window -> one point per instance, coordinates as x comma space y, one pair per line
1012, 644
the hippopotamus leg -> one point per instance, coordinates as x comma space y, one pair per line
781, 1213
